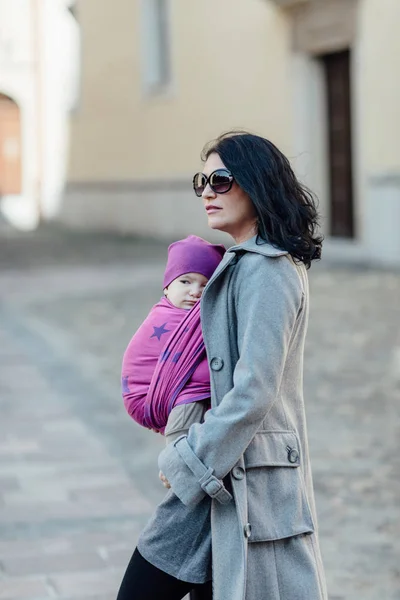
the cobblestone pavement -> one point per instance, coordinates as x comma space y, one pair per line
78, 479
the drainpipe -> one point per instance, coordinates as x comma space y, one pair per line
36, 6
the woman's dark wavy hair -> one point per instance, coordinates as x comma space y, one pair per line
286, 210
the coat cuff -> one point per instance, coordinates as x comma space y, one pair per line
190, 479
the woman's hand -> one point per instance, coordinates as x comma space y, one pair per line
164, 480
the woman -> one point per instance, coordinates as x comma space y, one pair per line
249, 459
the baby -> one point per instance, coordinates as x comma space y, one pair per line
165, 374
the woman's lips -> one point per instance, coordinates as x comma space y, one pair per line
212, 209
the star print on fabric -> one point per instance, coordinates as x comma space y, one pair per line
177, 357
125, 386
165, 355
159, 331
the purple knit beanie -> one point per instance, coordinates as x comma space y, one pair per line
192, 255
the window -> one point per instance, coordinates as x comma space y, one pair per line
156, 45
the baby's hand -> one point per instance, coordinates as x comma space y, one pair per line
164, 480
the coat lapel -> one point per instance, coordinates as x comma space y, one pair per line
248, 246
265, 248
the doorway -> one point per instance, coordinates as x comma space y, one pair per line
336, 68
10, 147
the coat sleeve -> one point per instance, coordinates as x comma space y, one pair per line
268, 298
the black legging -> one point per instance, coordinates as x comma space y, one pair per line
143, 581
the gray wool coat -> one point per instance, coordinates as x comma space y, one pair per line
251, 452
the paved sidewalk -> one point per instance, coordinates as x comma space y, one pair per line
78, 479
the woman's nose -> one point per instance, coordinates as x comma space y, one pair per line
208, 192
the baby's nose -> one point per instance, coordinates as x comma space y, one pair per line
196, 292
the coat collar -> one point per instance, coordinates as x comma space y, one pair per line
248, 246
264, 248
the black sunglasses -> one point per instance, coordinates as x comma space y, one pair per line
220, 181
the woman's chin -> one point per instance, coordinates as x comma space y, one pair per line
215, 223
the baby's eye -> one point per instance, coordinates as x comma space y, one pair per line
185, 281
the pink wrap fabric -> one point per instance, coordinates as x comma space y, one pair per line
165, 365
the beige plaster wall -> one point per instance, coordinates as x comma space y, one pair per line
230, 69
379, 65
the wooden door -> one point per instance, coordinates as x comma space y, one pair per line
10, 147
338, 86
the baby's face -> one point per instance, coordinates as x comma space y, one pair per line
186, 290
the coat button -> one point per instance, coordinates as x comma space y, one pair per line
216, 363
234, 261
238, 472
293, 455
247, 530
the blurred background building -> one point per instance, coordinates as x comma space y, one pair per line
159, 78
39, 52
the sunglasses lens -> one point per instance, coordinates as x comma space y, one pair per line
199, 183
221, 182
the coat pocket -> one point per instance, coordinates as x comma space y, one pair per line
277, 500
